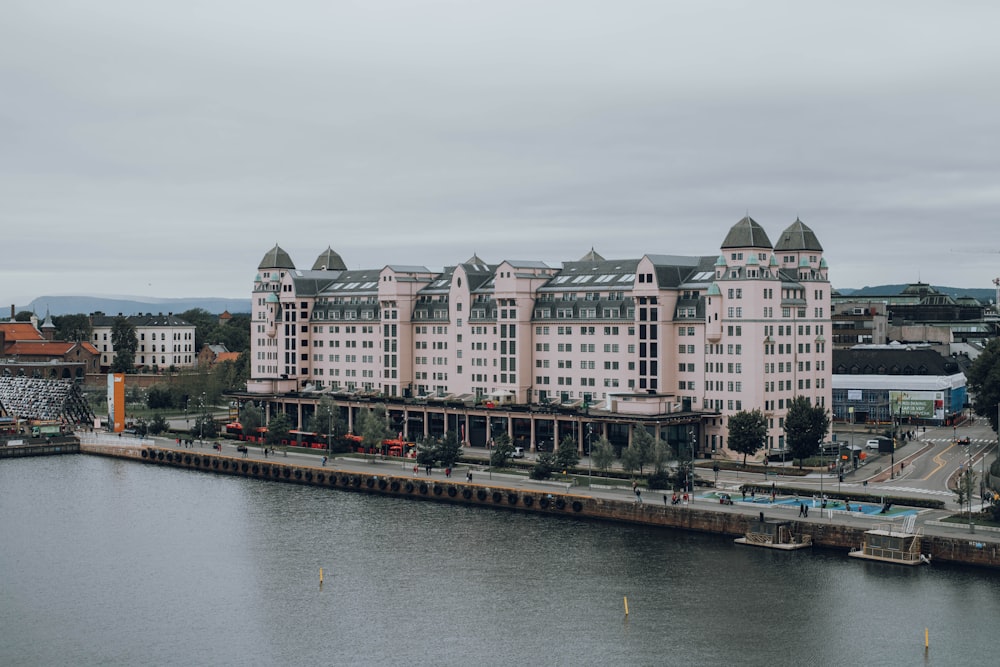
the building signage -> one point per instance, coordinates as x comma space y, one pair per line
919, 404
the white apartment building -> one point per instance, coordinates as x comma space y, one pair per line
712, 335
164, 341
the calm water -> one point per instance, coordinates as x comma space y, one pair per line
106, 562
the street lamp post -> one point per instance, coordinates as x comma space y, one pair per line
590, 454
691, 465
201, 422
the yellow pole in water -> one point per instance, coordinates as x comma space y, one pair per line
321, 575
626, 605
927, 639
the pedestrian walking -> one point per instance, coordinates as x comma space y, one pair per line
638, 495
324, 460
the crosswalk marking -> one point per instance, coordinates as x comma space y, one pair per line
911, 489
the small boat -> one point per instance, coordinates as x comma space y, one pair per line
774, 534
887, 545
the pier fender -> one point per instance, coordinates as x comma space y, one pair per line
394, 486
382, 484
452, 492
244, 467
528, 501
560, 504
309, 476
215, 463
287, 473
255, 469
159, 456
187, 459
369, 482
438, 490
543, 503
409, 487
145, 454
512, 499
481, 495
423, 488
577, 506
197, 461
225, 465
320, 478
298, 474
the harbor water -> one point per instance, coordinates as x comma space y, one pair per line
112, 562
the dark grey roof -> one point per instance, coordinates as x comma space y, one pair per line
892, 361
798, 237
592, 256
746, 234
673, 271
328, 260
610, 274
276, 258
140, 320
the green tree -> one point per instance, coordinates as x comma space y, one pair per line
158, 398
602, 454
73, 327
23, 316
806, 426
545, 465
631, 459
448, 450
251, 418
642, 447
125, 343
747, 432
503, 451
326, 419
277, 430
567, 457
203, 322
158, 424
373, 427
205, 426
984, 382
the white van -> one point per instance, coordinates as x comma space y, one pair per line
518, 453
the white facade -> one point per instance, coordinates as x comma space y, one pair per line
712, 334
162, 341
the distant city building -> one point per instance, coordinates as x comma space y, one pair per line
746, 328
859, 322
164, 341
883, 383
28, 349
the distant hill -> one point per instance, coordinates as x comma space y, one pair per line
983, 295
71, 305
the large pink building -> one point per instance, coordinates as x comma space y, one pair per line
707, 336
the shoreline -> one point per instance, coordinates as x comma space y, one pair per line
727, 520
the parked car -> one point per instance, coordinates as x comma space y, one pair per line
872, 444
518, 453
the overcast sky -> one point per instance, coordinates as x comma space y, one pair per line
161, 148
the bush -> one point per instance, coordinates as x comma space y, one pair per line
660, 479
544, 466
